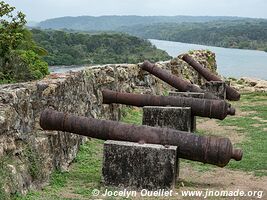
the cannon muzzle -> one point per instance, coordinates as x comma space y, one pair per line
211, 108
212, 150
231, 93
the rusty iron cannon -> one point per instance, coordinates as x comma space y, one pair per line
211, 108
175, 81
231, 93
213, 150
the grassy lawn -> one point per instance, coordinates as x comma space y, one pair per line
85, 173
253, 124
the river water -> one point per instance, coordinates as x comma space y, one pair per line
231, 62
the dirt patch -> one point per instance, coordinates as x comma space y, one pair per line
68, 195
217, 179
256, 125
240, 113
221, 179
211, 127
259, 119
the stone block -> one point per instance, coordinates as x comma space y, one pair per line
193, 95
139, 166
216, 87
178, 118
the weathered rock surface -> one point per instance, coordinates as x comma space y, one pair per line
191, 95
205, 57
246, 84
178, 118
218, 88
28, 154
139, 166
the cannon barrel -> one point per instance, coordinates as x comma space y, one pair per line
174, 81
231, 93
211, 108
212, 150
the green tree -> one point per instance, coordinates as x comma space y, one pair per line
20, 57
68, 48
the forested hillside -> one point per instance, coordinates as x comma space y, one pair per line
244, 34
232, 32
108, 23
80, 48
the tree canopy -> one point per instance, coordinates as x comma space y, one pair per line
82, 48
20, 57
233, 32
243, 34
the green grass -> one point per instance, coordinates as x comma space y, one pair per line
132, 115
200, 167
254, 127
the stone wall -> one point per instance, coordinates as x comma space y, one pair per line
28, 154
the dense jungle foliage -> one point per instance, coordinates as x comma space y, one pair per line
80, 48
231, 32
243, 34
113, 22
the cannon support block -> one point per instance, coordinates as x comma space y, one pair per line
216, 87
139, 166
178, 118
193, 120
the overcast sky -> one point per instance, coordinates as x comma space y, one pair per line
38, 10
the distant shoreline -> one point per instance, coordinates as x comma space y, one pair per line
231, 62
